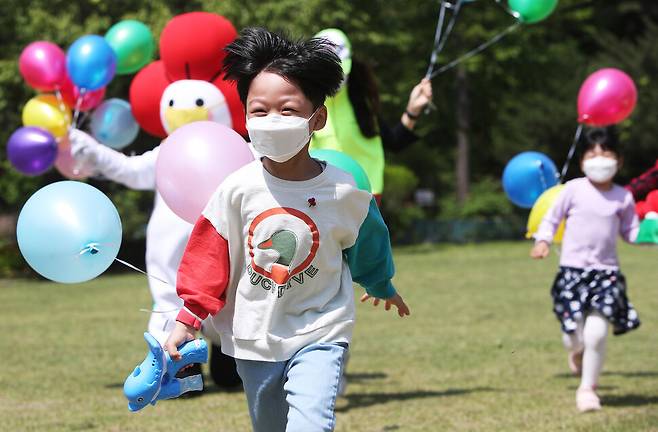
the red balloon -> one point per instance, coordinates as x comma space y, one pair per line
230, 91
70, 94
651, 201
606, 97
192, 45
146, 91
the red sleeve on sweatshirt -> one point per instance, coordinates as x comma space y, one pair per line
203, 274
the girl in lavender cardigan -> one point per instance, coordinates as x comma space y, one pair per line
589, 291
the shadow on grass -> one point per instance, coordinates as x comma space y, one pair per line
632, 374
630, 400
360, 377
363, 400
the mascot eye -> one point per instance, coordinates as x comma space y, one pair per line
199, 102
171, 102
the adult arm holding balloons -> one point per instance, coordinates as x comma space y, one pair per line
135, 172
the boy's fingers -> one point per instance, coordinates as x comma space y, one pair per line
364, 297
387, 306
376, 302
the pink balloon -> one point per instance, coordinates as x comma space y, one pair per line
43, 65
90, 100
606, 97
67, 165
193, 161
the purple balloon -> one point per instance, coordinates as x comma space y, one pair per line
32, 150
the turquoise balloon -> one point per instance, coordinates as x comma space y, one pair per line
346, 163
113, 124
69, 232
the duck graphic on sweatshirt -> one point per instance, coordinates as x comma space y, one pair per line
282, 243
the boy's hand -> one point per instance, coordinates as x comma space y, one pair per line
395, 300
180, 334
540, 250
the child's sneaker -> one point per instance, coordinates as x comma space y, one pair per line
587, 400
575, 360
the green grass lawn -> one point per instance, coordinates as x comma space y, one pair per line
480, 352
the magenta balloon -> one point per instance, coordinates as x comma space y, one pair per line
43, 65
193, 161
32, 150
606, 97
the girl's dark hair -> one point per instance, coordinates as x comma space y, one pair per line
364, 96
311, 64
606, 137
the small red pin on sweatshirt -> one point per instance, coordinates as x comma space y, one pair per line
311, 202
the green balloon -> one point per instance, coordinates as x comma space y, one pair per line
532, 11
133, 44
346, 163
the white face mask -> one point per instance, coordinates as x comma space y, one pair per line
600, 169
279, 137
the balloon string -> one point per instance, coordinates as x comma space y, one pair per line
542, 178
437, 40
156, 311
572, 150
451, 24
127, 264
60, 100
78, 105
476, 50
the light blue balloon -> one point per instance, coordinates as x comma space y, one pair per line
91, 62
527, 175
113, 124
69, 232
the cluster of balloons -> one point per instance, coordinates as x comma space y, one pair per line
69, 232
75, 81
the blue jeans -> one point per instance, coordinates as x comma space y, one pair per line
297, 395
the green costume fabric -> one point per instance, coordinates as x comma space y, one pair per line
342, 133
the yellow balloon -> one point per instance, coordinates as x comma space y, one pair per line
46, 112
542, 205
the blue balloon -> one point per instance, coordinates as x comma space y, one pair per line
69, 232
527, 176
113, 124
91, 62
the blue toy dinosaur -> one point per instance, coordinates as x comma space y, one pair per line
155, 378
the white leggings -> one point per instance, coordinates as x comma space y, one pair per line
589, 338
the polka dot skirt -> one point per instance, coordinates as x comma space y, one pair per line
576, 292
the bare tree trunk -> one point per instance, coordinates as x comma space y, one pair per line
463, 120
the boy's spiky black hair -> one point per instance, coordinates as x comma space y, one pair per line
310, 64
